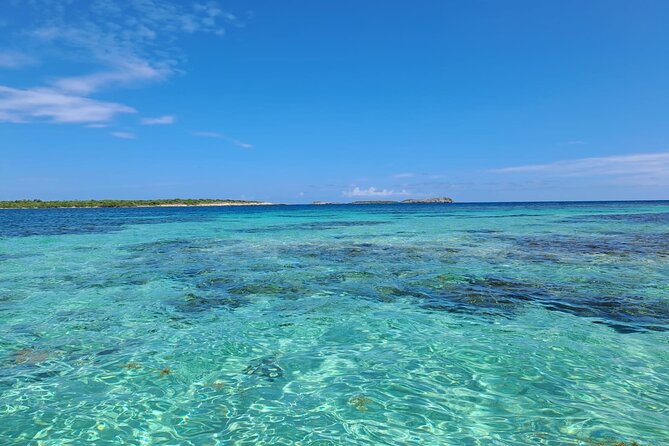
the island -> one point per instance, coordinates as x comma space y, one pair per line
186, 202
428, 200
407, 201
374, 202
171, 202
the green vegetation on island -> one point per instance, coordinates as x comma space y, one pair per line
39, 204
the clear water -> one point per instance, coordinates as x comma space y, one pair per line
459, 324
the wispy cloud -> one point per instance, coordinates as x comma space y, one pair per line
123, 135
404, 175
218, 135
116, 43
656, 164
15, 60
48, 105
123, 73
160, 120
146, 29
373, 192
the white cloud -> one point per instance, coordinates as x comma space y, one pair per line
655, 164
123, 135
48, 105
224, 137
243, 145
160, 120
124, 73
373, 192
143, 28
115, 43
404, 175
15, 60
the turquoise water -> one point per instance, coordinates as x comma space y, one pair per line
459, 324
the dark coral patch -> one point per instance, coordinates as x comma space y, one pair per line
264, 367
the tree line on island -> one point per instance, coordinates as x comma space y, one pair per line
40, 204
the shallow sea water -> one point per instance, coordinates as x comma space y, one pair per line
463, 324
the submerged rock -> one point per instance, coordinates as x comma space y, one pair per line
216, 282
30, 356
360, 402
343, 277
397, 292
265, 367
262, 288
107, 351
218, 384
193, 303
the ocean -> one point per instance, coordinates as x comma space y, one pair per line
462, 324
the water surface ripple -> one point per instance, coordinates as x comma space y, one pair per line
464, 324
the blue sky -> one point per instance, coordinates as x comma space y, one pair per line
294, 101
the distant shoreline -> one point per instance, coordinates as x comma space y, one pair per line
185, 202
437, 200
260, 203
106, 204
4, 204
